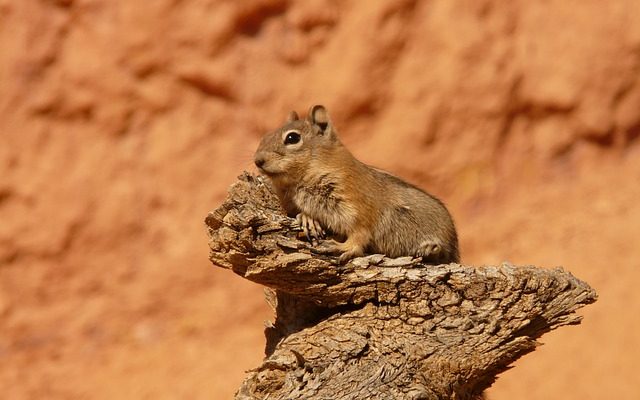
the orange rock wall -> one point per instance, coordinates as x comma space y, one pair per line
122, 123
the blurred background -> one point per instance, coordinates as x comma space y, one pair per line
123, 123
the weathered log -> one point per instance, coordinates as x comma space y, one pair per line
380, 328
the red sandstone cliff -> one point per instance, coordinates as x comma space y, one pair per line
122, 123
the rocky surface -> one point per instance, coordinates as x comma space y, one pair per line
123, 123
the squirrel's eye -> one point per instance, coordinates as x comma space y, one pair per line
292, 138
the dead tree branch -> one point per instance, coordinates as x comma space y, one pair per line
381, 328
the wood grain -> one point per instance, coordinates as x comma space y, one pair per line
377, 327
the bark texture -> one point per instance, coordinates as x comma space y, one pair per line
380, 328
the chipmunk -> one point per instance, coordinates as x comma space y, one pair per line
328, 190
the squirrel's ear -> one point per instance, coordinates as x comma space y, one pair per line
293, 116
319, 116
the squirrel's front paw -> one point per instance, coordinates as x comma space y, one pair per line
311, 228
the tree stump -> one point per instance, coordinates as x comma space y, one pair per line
377, 327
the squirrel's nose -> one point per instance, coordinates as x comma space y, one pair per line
259, 161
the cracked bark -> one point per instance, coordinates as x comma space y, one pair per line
377, 327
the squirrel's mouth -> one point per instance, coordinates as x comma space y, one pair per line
269, 173
269, 169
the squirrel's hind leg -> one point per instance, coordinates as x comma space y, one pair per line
353, 247
349, 254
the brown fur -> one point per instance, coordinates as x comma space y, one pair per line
371, 210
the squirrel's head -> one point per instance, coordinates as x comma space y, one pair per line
286, 152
